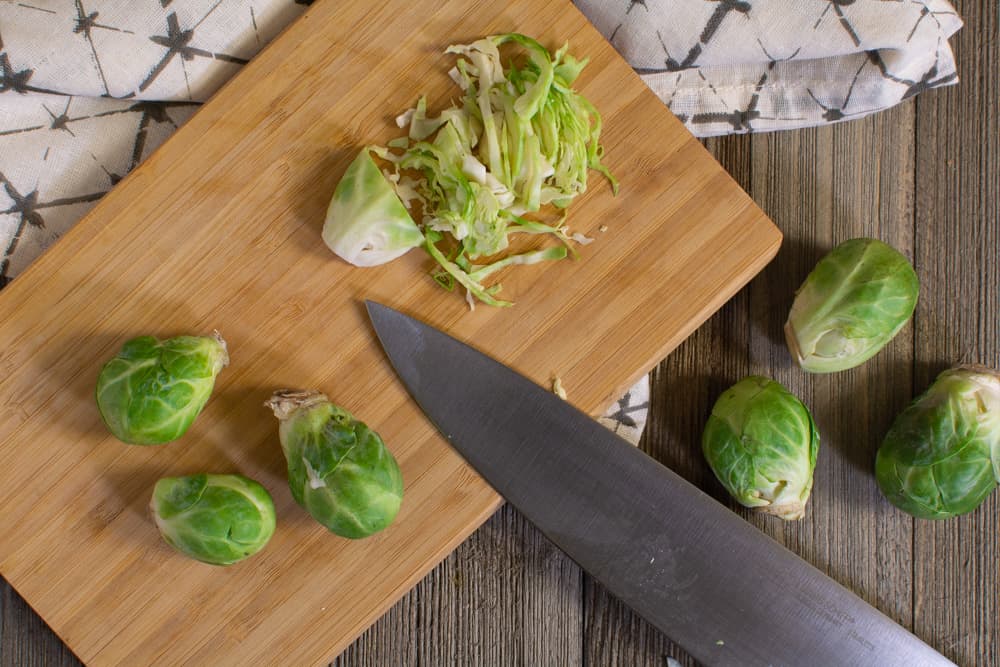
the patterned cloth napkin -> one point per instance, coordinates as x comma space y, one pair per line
88, 88
726, 66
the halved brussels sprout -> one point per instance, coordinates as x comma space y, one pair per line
761, 443
366, 223
217, 519
339, 470
854, 302
152, 391
941, 457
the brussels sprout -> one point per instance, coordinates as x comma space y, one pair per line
339, 470
855, 300
366, 223
217, 519
153, 390
761, 443
941, 457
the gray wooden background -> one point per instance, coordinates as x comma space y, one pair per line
924, 177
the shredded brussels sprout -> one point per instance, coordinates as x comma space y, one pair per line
520, 138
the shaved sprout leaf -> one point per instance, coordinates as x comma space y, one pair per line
534, 257
460, 276
421, 126
444, 279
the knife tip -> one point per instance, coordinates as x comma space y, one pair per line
374, 308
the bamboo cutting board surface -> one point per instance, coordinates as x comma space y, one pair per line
219, 229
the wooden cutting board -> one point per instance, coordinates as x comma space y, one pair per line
219, 229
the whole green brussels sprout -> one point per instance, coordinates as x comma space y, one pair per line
217, 519
941, 457
761, 443
339, 470
152, 391
851, 305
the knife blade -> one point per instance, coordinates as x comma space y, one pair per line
725, 592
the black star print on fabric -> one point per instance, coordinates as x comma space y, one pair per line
926, 82
155, 112
741, 120
61, 121
924, 13
85, 24
837, 4
11, 79
632, 5
177, 43
16, 80
26, 208
24, 205
722, 9
623, 415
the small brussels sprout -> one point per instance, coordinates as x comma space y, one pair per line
851, 305
217, 519
761, 443
941, 457
339, 470
152, 391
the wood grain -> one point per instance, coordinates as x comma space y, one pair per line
956, 599
219, 230
926, 173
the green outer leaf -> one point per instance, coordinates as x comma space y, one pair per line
851, 305
339, 470
939, 458
761, 443
153, 390
217, 519
366, 223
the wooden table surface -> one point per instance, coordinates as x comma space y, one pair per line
925, 177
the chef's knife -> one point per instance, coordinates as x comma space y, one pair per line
724, 591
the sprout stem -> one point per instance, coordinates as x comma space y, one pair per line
793, 343
286, 401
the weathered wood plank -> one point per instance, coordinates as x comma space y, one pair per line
958, 252
391, 642
506, 596
25, 640
867, 544
821, 187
